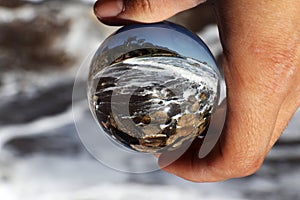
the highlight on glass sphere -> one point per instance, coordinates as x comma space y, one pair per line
153, 87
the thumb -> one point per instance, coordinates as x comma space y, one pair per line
117, 12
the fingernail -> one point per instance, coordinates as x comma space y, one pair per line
108, 8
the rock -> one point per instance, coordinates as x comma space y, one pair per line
151, 130
159, 117
35, 49
24, 109
11, 3
64, 142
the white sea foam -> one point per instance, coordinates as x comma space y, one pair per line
180, 67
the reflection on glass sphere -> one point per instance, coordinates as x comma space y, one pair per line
153, 87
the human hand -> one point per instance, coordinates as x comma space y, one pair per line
261, 60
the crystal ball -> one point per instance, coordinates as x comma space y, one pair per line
153, 87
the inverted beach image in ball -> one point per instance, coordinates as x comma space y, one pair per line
153, 87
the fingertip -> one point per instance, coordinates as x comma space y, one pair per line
108, 8
109, 11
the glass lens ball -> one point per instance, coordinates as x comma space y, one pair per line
153, 87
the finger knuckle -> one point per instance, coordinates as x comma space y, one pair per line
246, 166
277, 57
142, 5
146, 5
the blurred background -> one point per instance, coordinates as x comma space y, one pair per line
42, 45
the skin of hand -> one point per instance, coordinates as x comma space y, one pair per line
261, 60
